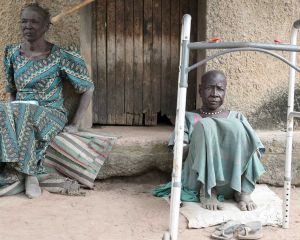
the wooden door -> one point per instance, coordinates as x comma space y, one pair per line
136, 55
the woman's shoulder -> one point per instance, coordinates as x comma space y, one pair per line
192, 114
237, 114
191, 118
69, 51
13, 46
70, 55
11, 49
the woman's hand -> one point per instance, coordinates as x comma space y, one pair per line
84, 102
71, 128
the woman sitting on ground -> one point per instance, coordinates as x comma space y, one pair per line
223, 150
35, 70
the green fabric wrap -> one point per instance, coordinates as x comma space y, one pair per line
223, 153
187, 195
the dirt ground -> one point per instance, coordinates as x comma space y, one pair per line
117, 209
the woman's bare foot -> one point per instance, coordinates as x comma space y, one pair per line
210, 203
32, 187
244, 201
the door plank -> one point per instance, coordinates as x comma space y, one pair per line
101, 85
192, 89
157, 57
148, 48
129, 84
175, 36
111, 61
166, 55
120, 117
138, 61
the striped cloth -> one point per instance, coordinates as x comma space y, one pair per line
12, 189
80, 155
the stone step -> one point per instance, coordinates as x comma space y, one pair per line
142, 149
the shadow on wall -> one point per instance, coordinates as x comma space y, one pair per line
272, 115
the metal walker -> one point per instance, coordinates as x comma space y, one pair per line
184, 69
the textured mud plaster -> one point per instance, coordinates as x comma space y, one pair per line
257, 83
64, 33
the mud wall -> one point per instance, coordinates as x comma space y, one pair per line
257, 83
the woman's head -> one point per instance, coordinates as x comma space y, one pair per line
212, 90
35, 21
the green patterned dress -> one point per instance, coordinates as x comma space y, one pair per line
27, 129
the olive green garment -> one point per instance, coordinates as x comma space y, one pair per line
223, 153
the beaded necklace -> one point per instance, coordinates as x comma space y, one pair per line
210, 113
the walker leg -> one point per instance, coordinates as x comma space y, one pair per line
290, 129
179, 129
286, 204
166, 236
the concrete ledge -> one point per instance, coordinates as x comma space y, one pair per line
141, 149
138, 150
274, 158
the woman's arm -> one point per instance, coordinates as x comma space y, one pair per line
84, 102
12, 97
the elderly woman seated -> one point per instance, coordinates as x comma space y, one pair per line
35, 70
223, 150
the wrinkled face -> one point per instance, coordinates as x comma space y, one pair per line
212, 92
33, 25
